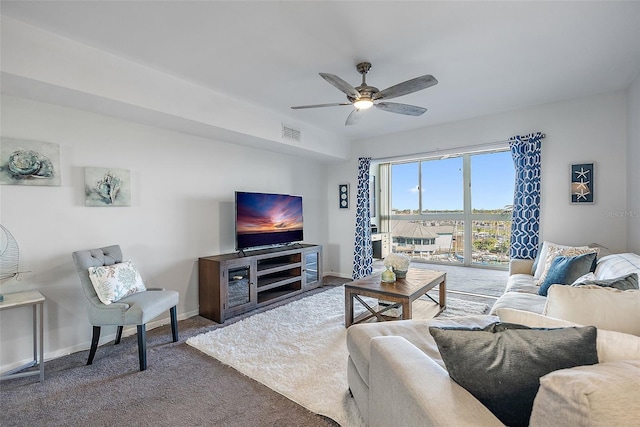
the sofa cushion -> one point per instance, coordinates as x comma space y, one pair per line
617, 265
521, 301
598, 395
415, 331
116, 281
604, 308
565, 269
521, 283
630, 281
408, 389
502, 363
611, 345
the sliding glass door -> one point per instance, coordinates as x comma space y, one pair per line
454, 209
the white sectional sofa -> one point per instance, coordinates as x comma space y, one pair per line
397, 375
522, 288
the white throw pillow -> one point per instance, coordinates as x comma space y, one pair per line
595, 395
604, 308
556, 251
611, 345
585, 278
617, 265
114, 282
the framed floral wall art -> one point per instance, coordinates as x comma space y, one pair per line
107, 187
25, 162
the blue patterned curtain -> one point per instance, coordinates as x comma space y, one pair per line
363, 251
525, 224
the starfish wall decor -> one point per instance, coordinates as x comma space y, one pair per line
582, 183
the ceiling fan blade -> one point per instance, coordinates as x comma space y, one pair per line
320, 105
394, 107
407, 87
354, 117
341, 84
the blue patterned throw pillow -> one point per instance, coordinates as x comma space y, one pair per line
564, 270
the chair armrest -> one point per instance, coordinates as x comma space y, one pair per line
103, 315
520, 266
408, 388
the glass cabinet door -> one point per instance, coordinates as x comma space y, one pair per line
312, 273
239, 290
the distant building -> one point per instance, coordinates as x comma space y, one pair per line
417, 239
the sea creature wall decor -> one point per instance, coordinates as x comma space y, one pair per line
582, 180
25, 162
107, 187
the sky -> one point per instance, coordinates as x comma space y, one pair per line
492, 178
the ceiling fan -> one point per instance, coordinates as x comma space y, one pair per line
364, 96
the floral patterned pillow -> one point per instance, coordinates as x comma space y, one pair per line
114, 282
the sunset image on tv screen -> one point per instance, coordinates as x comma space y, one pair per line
264, 219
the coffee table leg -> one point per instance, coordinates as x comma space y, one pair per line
348, 308
443, 293
406, 310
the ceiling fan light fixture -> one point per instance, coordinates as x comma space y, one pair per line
363, 104
364, 97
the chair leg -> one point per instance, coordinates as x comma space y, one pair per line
94, 344
142, 346
118, 335
174, 323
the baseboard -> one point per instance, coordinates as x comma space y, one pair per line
127, 331
337, 274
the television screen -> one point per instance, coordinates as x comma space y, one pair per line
264, 219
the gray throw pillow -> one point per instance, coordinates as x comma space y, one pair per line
501, 364
630, 281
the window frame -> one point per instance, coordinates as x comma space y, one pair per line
467, 216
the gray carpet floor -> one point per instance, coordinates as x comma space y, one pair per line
181, 387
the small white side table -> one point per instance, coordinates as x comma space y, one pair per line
36, 300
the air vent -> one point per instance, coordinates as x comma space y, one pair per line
290, 133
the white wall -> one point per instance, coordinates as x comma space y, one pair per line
182, 209
633, 160
47, 67
584, 130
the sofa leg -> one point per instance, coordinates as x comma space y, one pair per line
118, 335
94, 344
142, 346
174, 323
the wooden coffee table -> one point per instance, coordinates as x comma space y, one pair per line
401, 293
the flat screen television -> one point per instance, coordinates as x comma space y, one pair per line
264, 219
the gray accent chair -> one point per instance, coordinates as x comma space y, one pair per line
136, 309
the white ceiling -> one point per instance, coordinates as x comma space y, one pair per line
488, 57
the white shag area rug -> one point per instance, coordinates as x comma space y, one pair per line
299, 350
